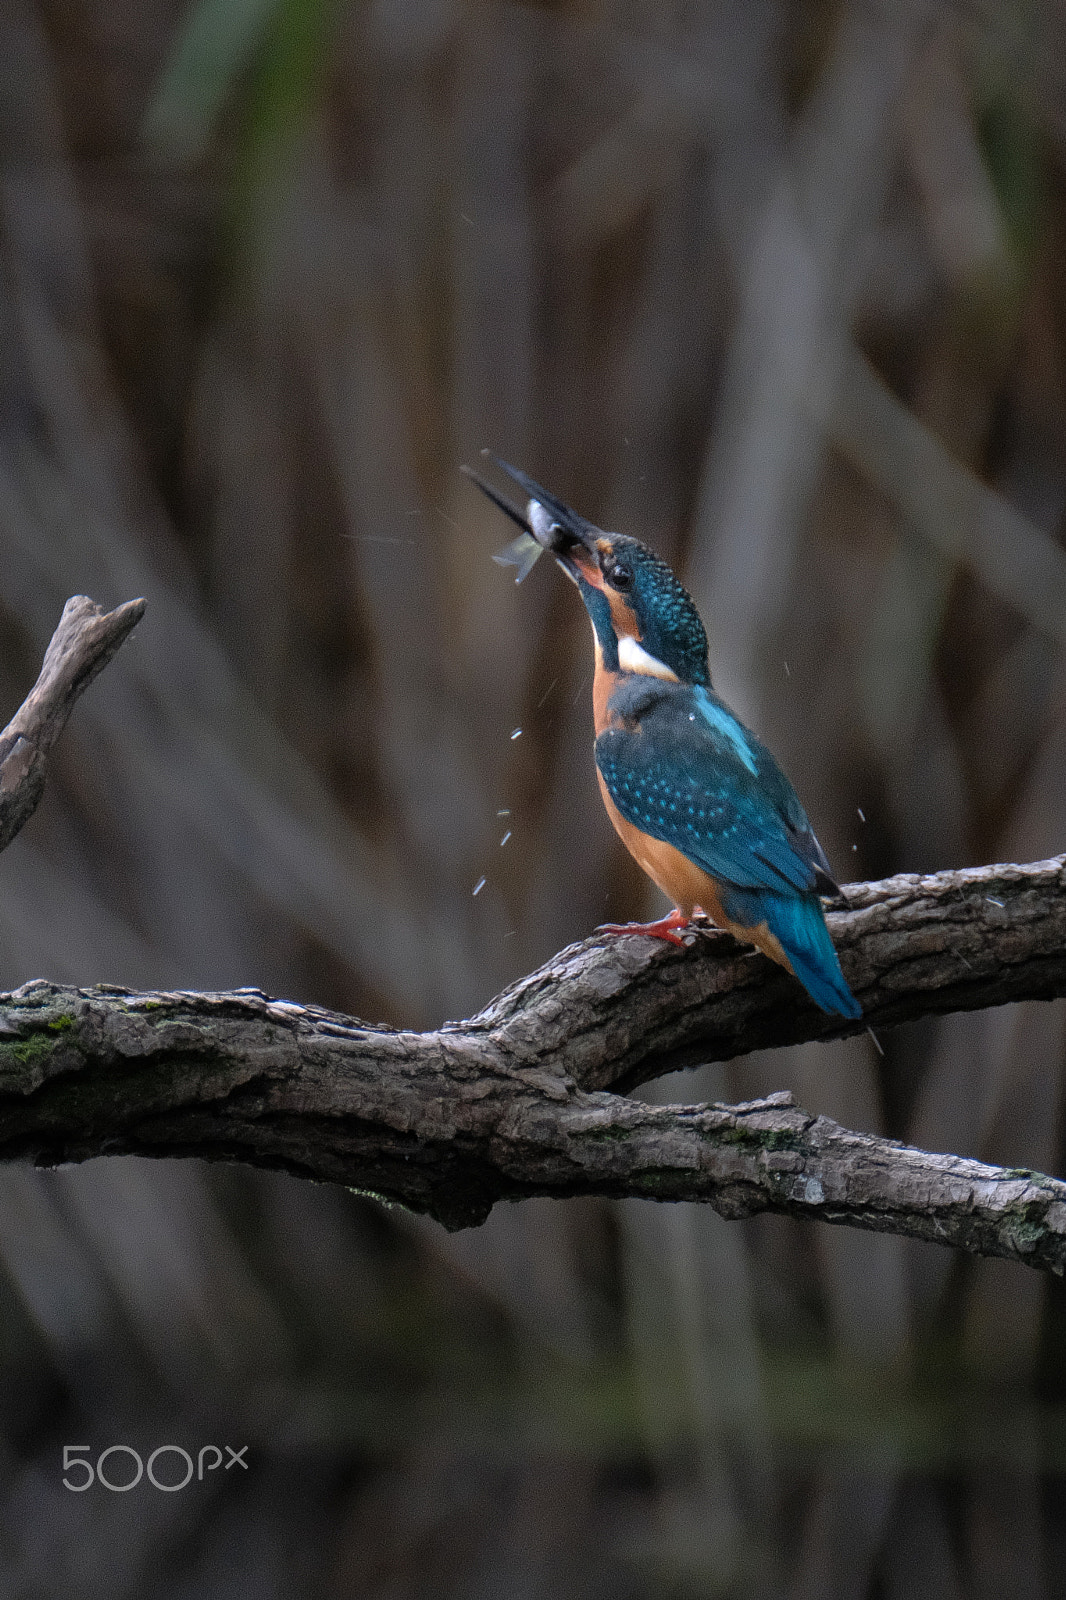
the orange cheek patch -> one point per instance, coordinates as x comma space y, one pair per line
622, 617
588, 569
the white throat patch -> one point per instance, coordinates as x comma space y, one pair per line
632, 657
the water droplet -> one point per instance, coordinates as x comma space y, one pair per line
479, 885
505, 838
517, 734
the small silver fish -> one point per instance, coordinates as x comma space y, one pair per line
539, 524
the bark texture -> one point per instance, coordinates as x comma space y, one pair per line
629, 1009
509, 1104
84, 642
527, 1098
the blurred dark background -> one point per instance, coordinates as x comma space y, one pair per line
780, 287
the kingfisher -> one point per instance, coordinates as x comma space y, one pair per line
697, 800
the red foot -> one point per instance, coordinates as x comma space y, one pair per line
666, 927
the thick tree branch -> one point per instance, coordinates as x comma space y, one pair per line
84, 642
622, 1011
515, 1101
510, 1104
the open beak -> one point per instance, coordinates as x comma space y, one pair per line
546, 523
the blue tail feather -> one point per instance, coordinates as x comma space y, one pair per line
798, 922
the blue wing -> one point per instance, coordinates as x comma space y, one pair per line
685, 770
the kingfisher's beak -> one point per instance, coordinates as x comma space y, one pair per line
547, 521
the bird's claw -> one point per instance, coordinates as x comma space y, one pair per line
665, 928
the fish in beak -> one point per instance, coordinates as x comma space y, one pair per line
546, 523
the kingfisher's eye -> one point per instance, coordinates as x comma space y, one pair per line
619, 576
